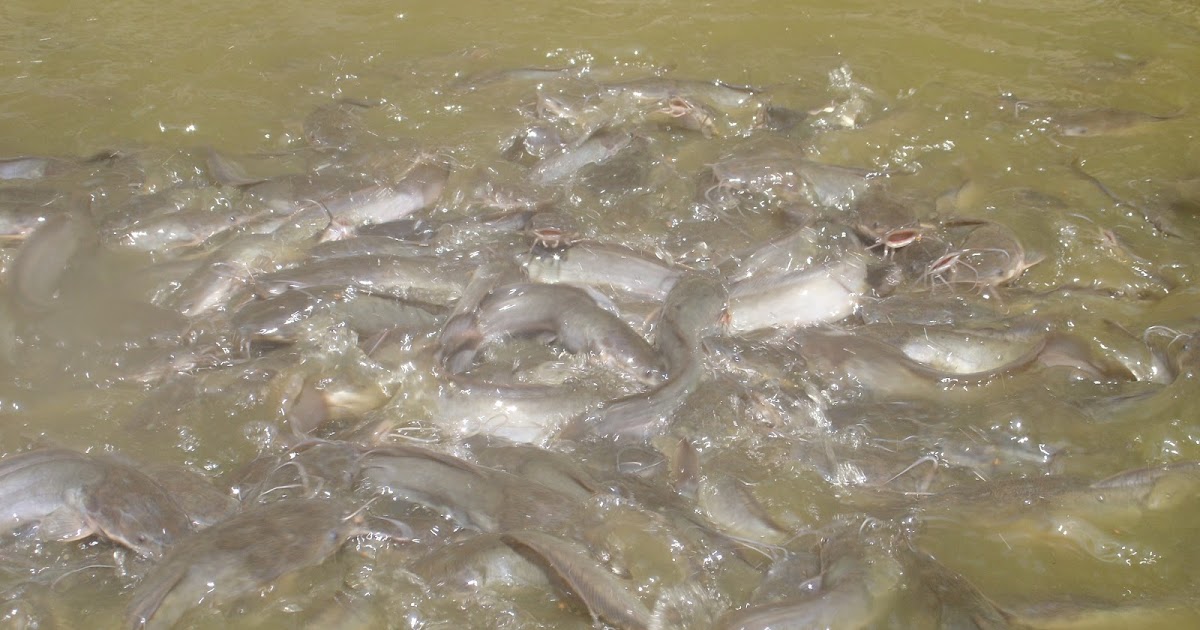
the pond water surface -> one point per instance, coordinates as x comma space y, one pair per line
844, 471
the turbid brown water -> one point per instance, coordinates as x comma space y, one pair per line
923, 102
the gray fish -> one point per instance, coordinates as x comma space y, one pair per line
420, 188
410, 277
607, 268
1104, 122
203, 502
337, 125
956, 601
246, 552
45, 257
722, 95
249, 170
859, 579
692, 310
730, 505
574, 319
481, 561
35, 167
285, 317
824, 293
26, 167
69, 495
475, 497
19, 220
519, 412
128, 507
35, 488
604, 595
790, 177
213, 286
597, 149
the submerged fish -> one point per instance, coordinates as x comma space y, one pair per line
601, 591
237, 556
692, 310
45, 257
860, 578
574, 319
1104, 122
65, 495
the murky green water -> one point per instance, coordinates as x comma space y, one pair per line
952, 92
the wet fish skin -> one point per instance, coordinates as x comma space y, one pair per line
286, 193
721, 95
171, 232
876, 368
791, 251
692, 310
481, 561
779, 118
419, 189
823, 293
70, 496
597, 149
36, 485
1159, 487
1086, 612
17, 223
575, 319
860, 577
330, 467
130, 508
956, 601
38, 167
835, 186
460, 336
421, 278
518, 412
794, 573
790, 177
879, 214
283, 318
214, 284
766, 173
24, 167
539, 141
203, 503
548, 468
730, 505
992, 256
367, 245
603, 594
606, 267
447, 484
1103, 122
975, 354
45, 257
275, 317
1163, 219
246, 552
1066, 509
879, 369
1076, 122
249, 170
684, 112
480, 498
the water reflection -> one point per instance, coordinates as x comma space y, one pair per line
783, 325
